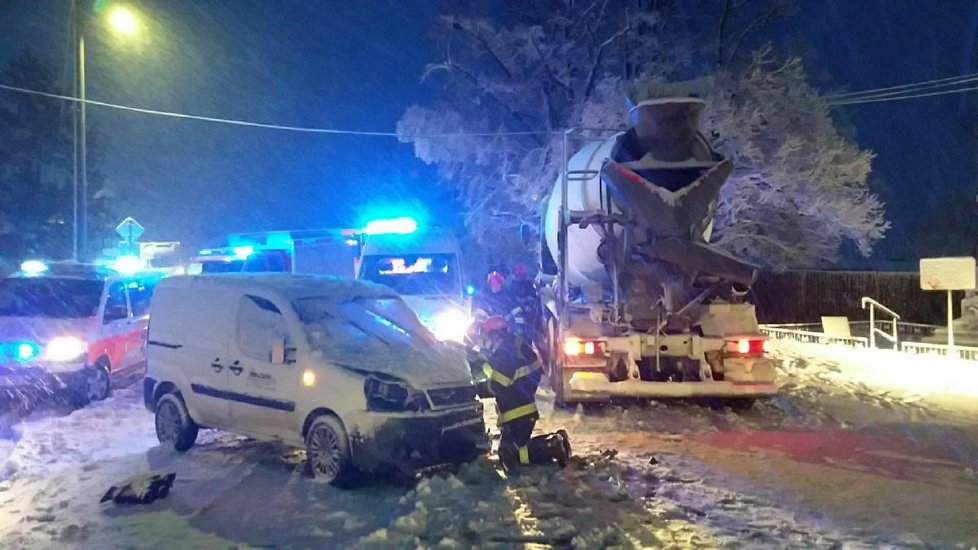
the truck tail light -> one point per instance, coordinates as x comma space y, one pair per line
749, 347
576, 346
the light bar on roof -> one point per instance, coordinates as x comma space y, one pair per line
33, 267
393, 226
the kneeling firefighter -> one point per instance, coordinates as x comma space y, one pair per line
514, 375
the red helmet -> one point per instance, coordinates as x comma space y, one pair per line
520, 271
494, 324
495, 279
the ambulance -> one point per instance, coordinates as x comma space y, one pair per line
68, 328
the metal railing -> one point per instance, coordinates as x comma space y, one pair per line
962, 352
873, 331
809, 337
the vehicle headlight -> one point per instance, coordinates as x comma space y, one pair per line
451, 325
390, 394
65, 348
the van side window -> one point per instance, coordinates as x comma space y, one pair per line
259, 324
116, 307
140, 293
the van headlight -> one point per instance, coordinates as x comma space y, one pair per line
450, 325
65, 348
389, 394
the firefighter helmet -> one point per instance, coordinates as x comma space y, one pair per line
494, 324
520, 271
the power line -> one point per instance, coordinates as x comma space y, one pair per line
235, 122
872, 99
913, 86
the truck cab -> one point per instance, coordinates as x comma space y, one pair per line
425, 268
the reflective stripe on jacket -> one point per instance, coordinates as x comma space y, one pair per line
514, 378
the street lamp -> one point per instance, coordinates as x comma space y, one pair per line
122, 20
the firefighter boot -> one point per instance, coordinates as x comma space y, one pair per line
565, 441
509, 455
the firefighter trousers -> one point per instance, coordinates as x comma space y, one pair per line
517, 446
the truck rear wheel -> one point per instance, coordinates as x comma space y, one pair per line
555, 371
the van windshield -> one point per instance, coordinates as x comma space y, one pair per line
360, 320
50, 297
412, 275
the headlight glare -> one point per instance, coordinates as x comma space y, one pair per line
450, 325
65, 348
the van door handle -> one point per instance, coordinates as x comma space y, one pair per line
236, 368
217, 367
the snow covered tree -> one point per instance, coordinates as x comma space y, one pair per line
521, 79
798, 190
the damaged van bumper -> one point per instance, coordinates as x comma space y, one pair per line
418, 439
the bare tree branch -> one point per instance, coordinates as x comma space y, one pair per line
778, 7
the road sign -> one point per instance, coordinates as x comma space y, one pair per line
948, 274
130, 230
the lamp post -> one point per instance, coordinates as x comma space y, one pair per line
122, 20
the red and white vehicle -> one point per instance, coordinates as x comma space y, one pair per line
70, 327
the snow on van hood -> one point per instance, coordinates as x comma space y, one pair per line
423, 366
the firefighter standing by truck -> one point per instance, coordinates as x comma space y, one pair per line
496, 300
514, 375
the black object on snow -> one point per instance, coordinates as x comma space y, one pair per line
140, 489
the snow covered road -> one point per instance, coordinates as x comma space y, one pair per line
841, 458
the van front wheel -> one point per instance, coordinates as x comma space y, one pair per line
328, 452
173, 423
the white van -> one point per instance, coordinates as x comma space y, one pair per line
340, 366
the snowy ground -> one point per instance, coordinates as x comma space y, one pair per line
846, 456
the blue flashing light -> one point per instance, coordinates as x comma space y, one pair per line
127, 265
27, 350
470, 290
243, 251
395, 226
33, 267
351, 242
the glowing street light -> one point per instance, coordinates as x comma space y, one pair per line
122, 20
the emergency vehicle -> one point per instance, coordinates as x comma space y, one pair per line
423, 264
70, 327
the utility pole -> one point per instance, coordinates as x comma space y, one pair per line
80, 149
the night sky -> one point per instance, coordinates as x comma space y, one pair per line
356, 64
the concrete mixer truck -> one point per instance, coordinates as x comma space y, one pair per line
637, 302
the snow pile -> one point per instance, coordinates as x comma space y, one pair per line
904, 375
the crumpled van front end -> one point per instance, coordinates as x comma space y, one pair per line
409, 400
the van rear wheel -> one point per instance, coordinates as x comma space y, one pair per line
328, 452
173, 423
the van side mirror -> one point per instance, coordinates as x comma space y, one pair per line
278, 351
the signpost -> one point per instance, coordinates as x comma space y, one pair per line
130, 231
948, 274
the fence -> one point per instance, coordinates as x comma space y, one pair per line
807, 333
805, 296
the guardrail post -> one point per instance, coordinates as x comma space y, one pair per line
950, 326
872, 327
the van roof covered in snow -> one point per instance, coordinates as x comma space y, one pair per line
290, 285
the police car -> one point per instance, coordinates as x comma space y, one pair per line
69, 327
